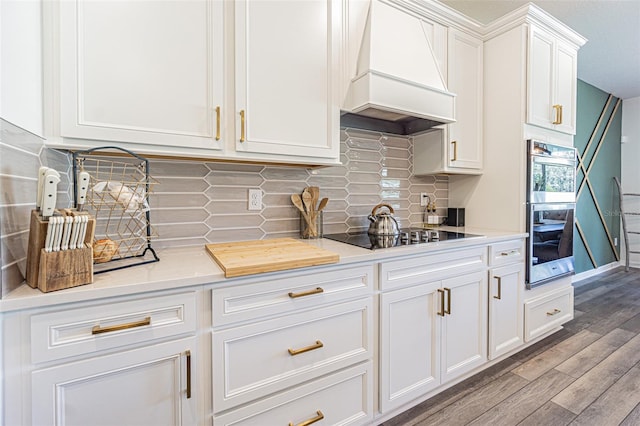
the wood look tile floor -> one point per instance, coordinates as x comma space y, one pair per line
586, 374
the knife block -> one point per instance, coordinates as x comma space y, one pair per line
51, 271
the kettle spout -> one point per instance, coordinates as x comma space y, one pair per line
372, 218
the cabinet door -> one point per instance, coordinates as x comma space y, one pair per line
142, 72
287, 75
540, 78
506, 330
410, 349
146, 386
465, 80
464, 327
566, 86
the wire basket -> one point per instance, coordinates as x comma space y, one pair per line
118, 198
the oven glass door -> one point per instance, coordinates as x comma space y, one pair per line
552, 181
550, 247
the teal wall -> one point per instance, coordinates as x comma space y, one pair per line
598, 132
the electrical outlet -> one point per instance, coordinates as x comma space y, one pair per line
615, 241
424, 199
255, 199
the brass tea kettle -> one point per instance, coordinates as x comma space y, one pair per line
383, 223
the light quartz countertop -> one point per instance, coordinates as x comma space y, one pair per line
193, 266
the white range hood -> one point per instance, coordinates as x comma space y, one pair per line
398, 87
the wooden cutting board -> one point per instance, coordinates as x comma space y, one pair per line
278, 254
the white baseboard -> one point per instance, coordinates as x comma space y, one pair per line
588, 274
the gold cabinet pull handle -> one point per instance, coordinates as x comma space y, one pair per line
188, 353
499, 296
317, 345
504, 253
306, 293
242, 125
455, 150
558, 114
217, 123
319, 416
554, 312
448, 311
442, 312
99, 330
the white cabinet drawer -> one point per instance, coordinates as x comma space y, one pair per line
71, 332
255, 360
344, 398
506, 252
431, 267
547, 312
279, 296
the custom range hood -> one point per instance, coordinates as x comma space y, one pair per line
398, 87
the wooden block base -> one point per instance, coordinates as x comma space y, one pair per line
65, 269
61, 269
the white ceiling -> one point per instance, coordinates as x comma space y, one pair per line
610, 60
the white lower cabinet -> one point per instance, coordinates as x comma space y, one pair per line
464, 329
409, 349
117, 361
151, 386
296, 349
506, 331
430, 334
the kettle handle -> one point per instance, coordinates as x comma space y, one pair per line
373, 212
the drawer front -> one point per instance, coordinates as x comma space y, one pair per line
279, 296
344, 398
61, 334
431, 267
256, 360
506, 252
547, 312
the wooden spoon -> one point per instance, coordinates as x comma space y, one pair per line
297, 201
323, 204
306, 199
315, 195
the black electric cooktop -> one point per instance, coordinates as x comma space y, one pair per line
406, 237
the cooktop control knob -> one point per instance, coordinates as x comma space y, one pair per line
415, 237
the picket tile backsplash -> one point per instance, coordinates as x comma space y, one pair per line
375, 168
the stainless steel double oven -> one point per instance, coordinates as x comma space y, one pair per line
551, 204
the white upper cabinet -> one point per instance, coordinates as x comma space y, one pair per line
141, 72
245, 80
552, 82
456, 148
287, 73
465, 80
